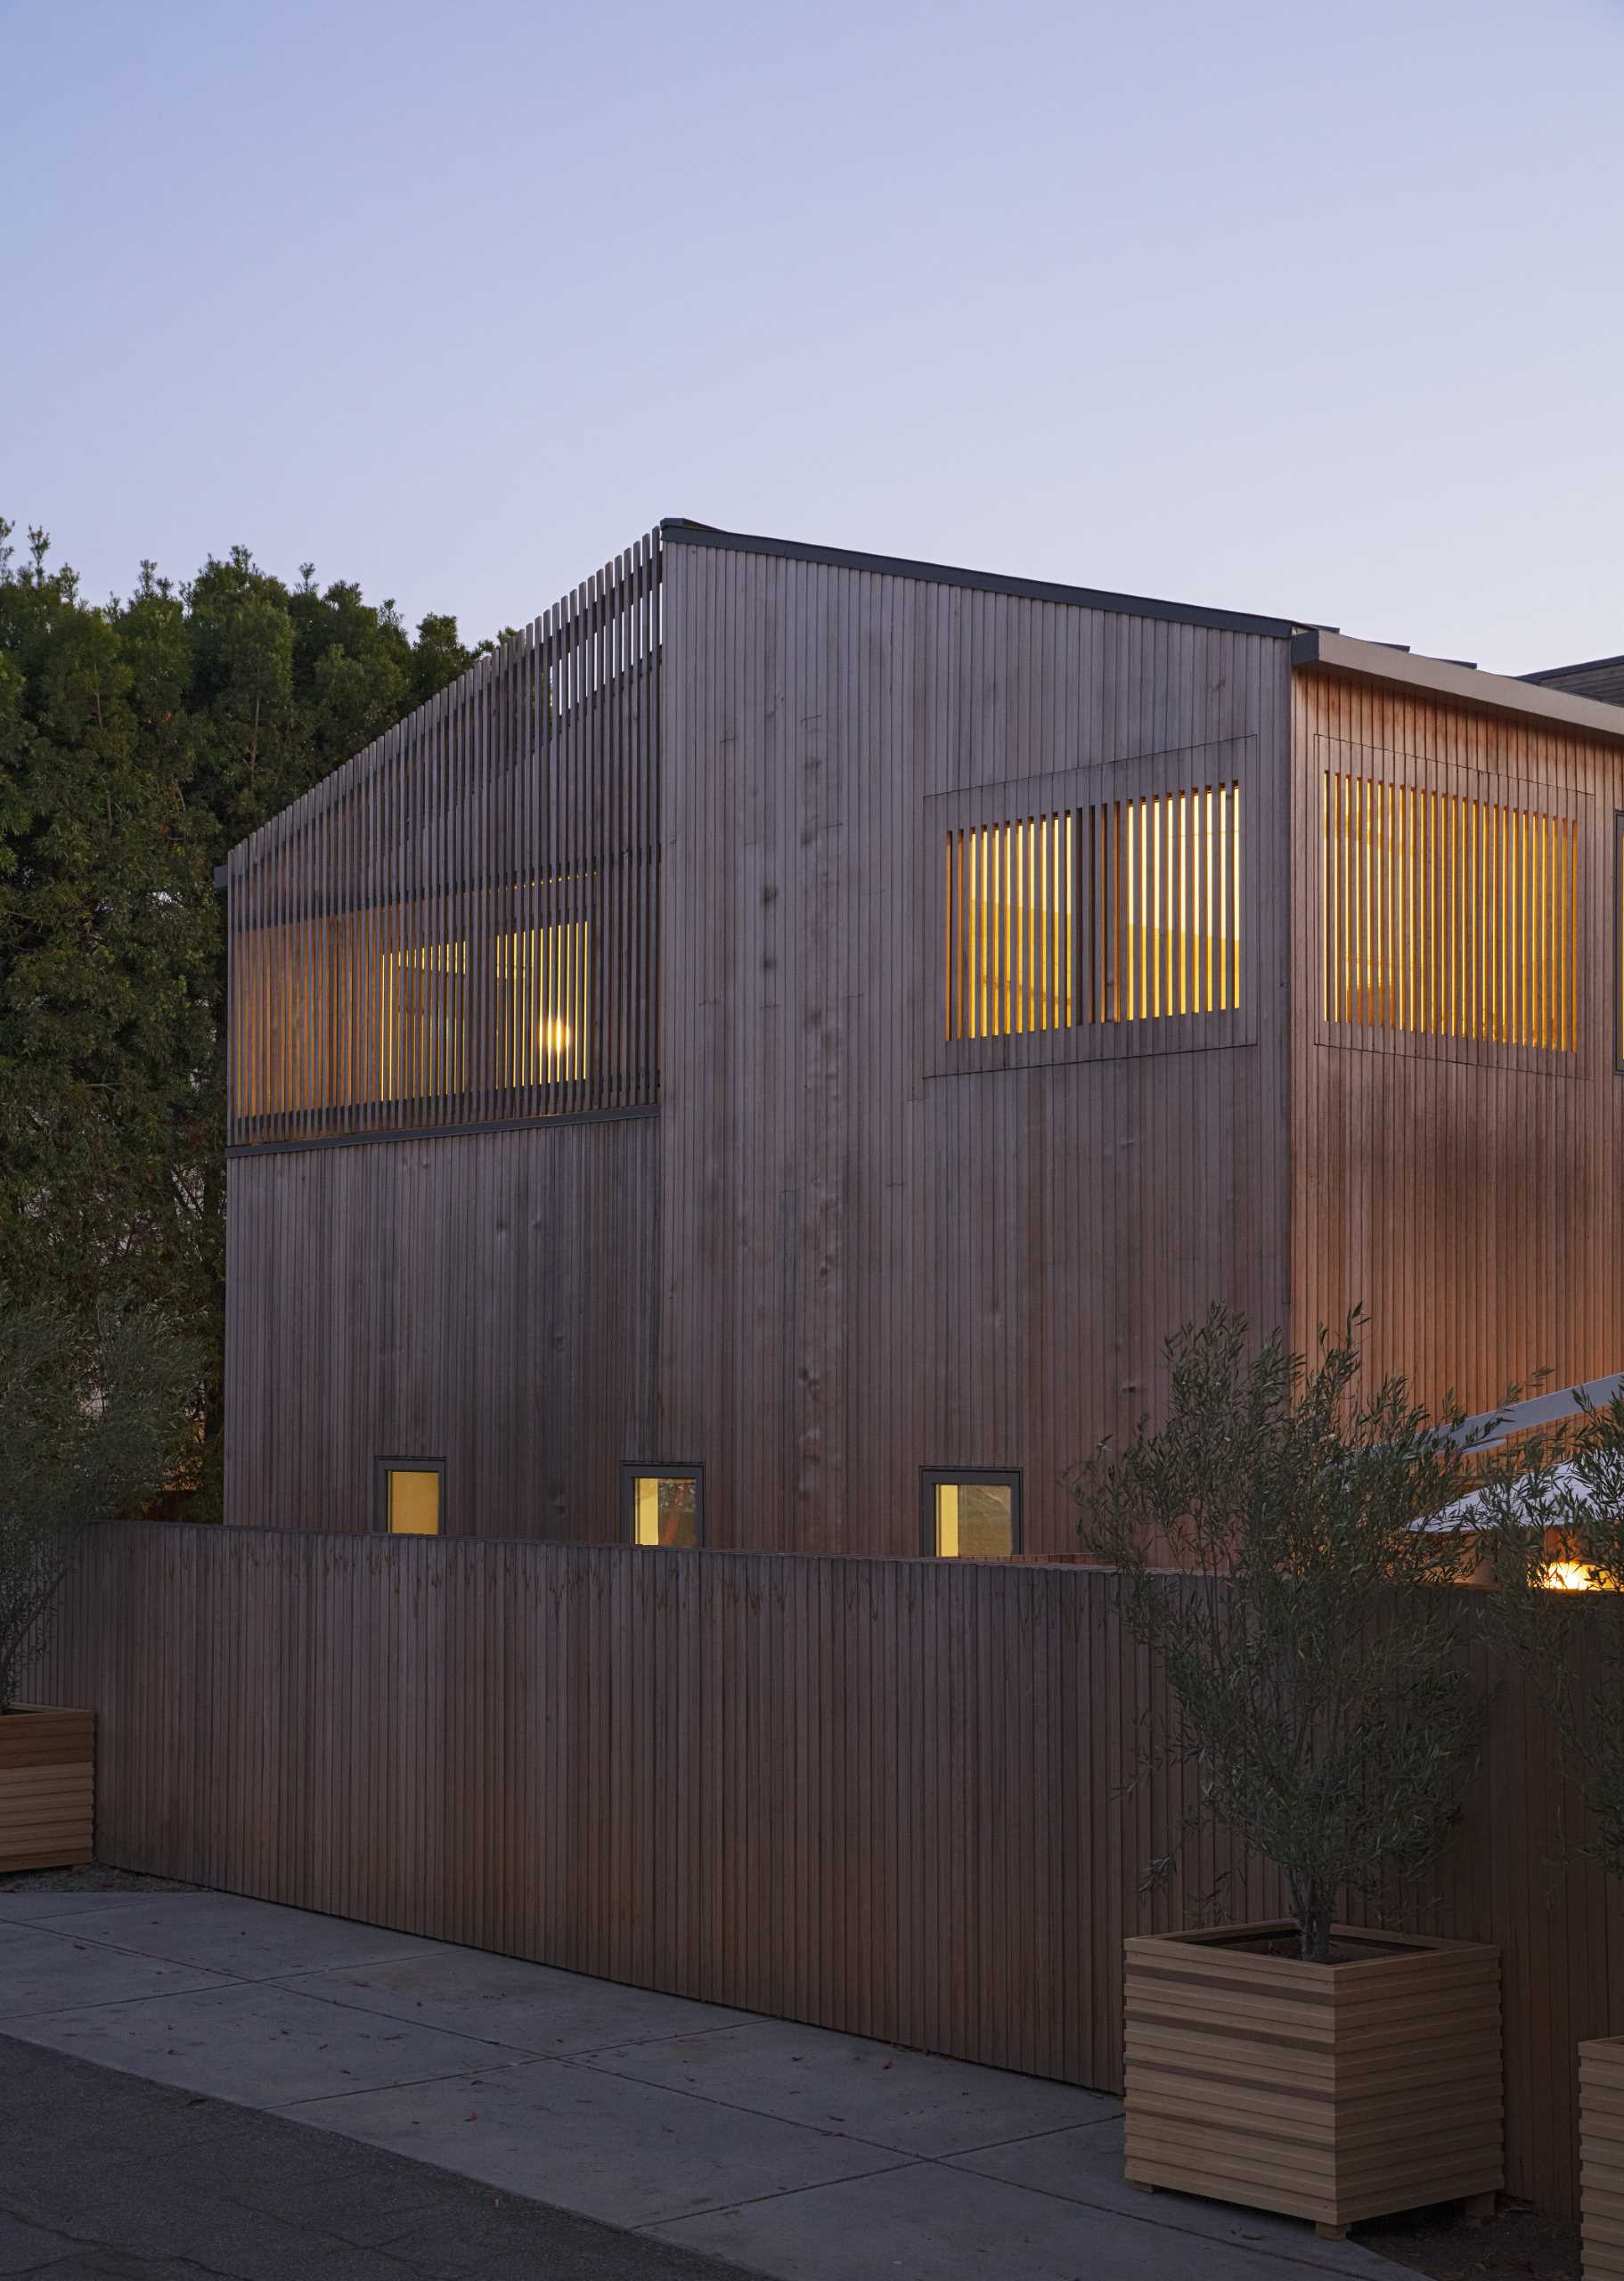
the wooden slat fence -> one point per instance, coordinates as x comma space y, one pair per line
892, 1797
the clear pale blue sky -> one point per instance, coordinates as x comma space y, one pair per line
1308, 308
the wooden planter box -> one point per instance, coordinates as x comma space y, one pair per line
1330, 2091
47, 1788
1601, 2150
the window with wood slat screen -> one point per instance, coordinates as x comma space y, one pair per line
1010, 889
1448, 915
1083, 918
1164, 919
458, 926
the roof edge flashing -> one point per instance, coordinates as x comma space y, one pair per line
1439, 678
679, 530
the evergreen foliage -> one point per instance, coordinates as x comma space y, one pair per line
139, 740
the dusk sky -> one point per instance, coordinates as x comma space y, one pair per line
1316, 311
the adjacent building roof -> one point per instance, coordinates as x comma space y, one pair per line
1602, 678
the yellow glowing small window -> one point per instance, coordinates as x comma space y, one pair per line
666, 1507
976, 1517
412, 1501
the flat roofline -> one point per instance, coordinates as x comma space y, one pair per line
678, 530
1339, 653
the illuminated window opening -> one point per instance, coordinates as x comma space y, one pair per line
665, 1505
1008, 959
410, 1496
1165, 920
1447, 916
973, 1513
542, 1004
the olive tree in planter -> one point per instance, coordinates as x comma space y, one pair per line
86, 1426
1323, 1706
1551, 1515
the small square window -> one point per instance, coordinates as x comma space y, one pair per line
410, 1496
666, 1504
972, 1514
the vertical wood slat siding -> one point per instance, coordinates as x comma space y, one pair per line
457, 926
889, 1797
880, 1249
482, 1298
1467, 1191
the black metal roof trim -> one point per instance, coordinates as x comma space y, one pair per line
940, 574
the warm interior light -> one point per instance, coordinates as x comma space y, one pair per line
1573, 1576
414, 1502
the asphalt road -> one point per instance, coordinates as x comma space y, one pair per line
107, 2175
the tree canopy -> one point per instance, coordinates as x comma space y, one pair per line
140, 739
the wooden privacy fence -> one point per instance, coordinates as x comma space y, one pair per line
894, 1797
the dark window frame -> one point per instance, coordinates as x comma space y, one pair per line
382, 1467
933, 1477
635, 1469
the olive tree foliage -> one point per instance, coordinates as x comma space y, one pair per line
1551, 1509
87, 1423
1318, 1672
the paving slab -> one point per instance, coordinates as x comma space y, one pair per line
1086, 2166
530, 2007
930, 2222
42, 1970
905, 2100
632, 2152
253, 1940
258, 2043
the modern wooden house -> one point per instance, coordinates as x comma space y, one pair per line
768, 1056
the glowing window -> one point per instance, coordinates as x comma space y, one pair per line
1009, 957
971, 1515
410, 1496
1164, 930
1447, 916
666, 1504
540, 1004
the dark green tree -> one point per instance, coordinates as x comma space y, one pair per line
139, 740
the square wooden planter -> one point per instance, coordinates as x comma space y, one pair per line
47, 1788
1601, 2153
1330, 2091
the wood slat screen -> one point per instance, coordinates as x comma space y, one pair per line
1107, 921
1164, 921
890, 1797
1448, 915
1010, 889
458, 927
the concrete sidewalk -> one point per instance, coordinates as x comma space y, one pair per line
791, 2151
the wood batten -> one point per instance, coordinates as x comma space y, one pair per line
1458, 1113
897, 1798
1329, 2091
47, 1788
1601, 2124
458, 927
